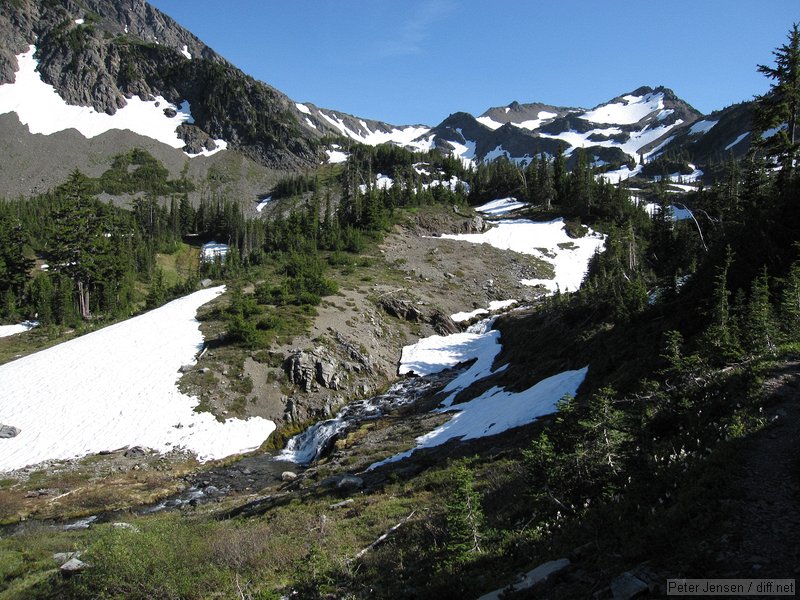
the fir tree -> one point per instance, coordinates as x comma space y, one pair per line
779, 107
464, 518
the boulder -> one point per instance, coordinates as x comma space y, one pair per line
61, 558
288, 476
628, 586
7, 431
73, 566
135, 452
533, 577
349, 483
211, 491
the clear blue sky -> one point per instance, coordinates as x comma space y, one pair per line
415, 61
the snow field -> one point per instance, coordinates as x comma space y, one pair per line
117, 387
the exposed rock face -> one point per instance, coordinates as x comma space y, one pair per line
405, 309
311, 369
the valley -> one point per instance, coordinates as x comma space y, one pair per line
255, 348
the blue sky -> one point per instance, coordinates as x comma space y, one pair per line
414, 61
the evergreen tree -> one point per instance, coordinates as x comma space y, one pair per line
720, 339
14, 266
42, 297
464, 518
559, 177
759, 331
790, 304
779, 107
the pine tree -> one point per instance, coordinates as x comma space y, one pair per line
14, 266
720, 339
82, 244
465, 518
759, 331
42, 295
789, 308
545, 178
780, 106
559, 177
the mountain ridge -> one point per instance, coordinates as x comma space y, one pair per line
102, 53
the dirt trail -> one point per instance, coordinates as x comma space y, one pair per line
762, 529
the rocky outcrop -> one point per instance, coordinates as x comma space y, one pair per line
402, 309
443, 324
407, 311
309, 370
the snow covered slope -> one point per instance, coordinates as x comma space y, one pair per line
116, 387
364, 131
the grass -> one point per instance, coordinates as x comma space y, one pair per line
179, 265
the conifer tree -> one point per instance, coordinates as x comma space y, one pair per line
464, 517
790, 304
759, 331
779, 107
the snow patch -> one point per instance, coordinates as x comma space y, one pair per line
547, 240
742, 136
496, 410
533, 124
212, 250
185, 52
117, 387
303, 108
489, 122
382, 182
6, 330
501, 206
631, 110
405, 136
262, 203
494, 306
336, 156
701, 127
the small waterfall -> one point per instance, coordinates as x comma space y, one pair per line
314, 442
